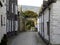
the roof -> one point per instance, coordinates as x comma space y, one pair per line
46, 5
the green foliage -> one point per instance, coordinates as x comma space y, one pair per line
29, 14
30, 24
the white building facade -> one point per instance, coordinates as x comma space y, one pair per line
2, 18
49, 22
8, 18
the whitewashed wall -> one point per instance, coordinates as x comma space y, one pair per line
3, 13
51, 25
40, 25
0, 25
55, 23
16, 26
8, 22
46, 19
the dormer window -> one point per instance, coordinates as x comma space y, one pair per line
1, 4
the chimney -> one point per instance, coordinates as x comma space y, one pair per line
45, 3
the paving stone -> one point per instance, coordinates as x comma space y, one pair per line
26, 38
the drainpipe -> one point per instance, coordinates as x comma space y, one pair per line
43, 25
49, 26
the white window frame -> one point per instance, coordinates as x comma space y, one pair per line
15, 9
12, 8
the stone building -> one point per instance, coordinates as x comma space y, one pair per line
49, 22
8, 18
12, 14
2, 18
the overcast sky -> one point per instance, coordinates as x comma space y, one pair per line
30, 2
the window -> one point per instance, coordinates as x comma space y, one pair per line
7, 7
48, 30
15, 17
4, 21
16, 9
12, 8
1, 20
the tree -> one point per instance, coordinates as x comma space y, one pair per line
30, 24
29, 14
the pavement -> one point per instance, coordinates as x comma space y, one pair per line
26, 38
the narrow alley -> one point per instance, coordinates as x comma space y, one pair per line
26, 38
29, 22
